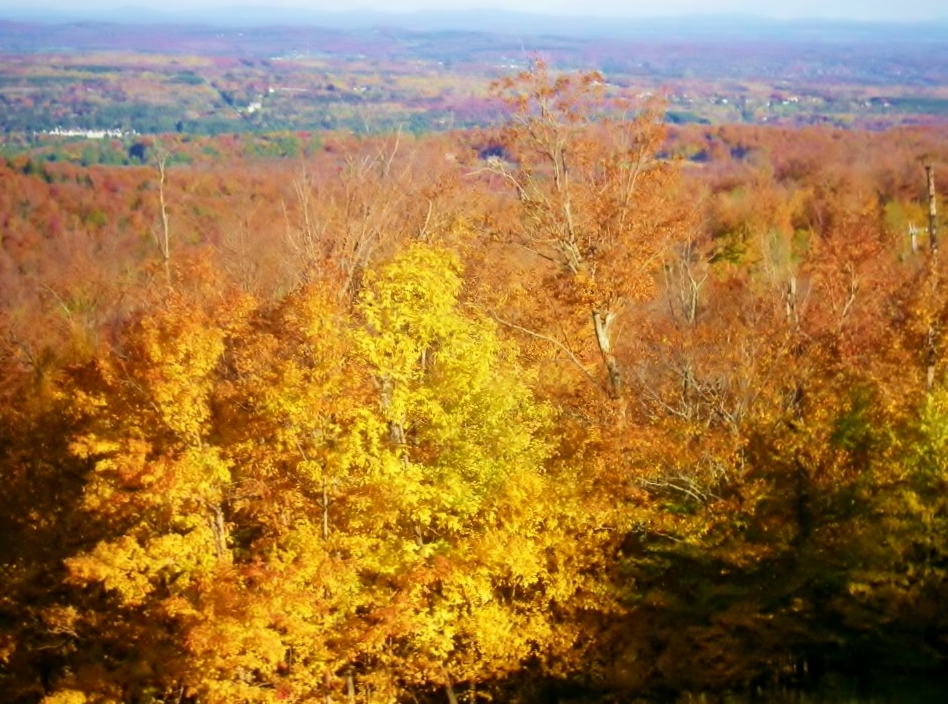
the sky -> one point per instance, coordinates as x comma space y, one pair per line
861, 10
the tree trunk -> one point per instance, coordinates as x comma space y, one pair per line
325, 508
327, 683
933, 244
164, 240
216, 522
396, 429
350, 688
448, 687
932, 357
932, 213
790, 297
602, 324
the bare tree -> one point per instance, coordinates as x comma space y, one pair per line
582, 160
340, 223
163, 235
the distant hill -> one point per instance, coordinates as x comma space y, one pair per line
500, 21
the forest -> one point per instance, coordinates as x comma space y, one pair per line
584, 407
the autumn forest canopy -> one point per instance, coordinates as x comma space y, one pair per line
584, 407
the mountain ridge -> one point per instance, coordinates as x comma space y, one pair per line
496, 21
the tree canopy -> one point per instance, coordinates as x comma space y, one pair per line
428, 420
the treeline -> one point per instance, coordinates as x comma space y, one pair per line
134, 150
575, 407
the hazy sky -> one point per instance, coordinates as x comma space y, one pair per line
848, 9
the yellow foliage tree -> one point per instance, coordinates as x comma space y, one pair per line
474, 541
160, 484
